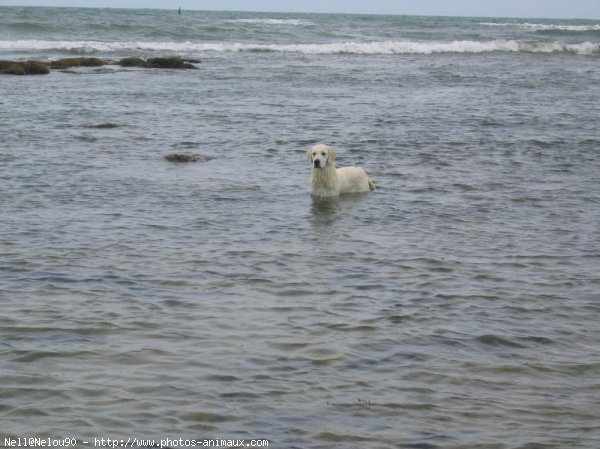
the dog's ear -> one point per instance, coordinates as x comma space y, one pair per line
309, 155
330, 155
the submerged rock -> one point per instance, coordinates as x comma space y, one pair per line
168, 63
67, 63
157, 63
23, 68
185, 157
103, 126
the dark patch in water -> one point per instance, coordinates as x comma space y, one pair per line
494, 340
104, 126
183, 157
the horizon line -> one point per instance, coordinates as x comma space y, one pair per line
296, 12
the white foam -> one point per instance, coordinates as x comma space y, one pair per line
358, 48
272, 21
551, 27
495, 24
545, 26
398, 47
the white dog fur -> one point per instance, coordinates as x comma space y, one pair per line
327, 181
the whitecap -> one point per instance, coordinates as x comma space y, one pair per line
351, 47
553, 27
294, 22
544, 26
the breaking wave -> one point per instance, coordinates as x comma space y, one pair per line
272, 21
551, 27
545, 26
358, 48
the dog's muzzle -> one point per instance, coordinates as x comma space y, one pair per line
317, 163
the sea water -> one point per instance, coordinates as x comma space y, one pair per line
457, 306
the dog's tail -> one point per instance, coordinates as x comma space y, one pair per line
371, 185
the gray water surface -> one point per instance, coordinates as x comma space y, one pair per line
457, 306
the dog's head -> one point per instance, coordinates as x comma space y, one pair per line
320, 155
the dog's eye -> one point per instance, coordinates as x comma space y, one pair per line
323, 154
314, 154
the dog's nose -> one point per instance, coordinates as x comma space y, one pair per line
317, 163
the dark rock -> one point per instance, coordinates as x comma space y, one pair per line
35, 68
23, 68
168, 63
67, 63
104, 126
156, 63
181, 157
41, 68
132, 62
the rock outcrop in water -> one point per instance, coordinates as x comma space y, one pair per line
132, 62
43, 68
157, 63
68, 63
23, 68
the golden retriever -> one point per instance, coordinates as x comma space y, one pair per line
328, 181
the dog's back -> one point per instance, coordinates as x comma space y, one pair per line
353, 180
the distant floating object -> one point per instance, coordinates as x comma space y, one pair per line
179, 12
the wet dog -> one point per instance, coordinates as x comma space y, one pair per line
329, 181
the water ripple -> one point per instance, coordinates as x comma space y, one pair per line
455, 306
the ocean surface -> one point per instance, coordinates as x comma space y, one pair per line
457, 306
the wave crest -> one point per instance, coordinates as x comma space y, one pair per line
272, 21
545, 26
358, 48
